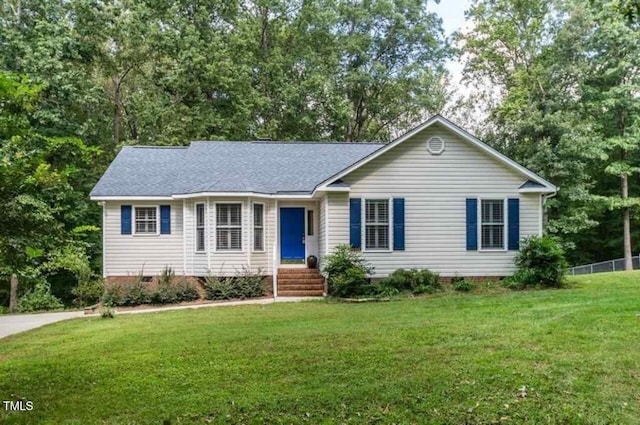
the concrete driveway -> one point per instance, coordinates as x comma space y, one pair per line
15, 323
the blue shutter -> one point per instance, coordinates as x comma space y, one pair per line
472, 224
355, 214
165, 219
398, 224
125, 219
514, 223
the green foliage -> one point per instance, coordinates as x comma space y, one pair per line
568, 108
170, 290
166, 290
417, 281
346, 272
186, 290
460, 284
88, 292
107, 312
352, 282
245, 284
132, 293
540, 263
38, 299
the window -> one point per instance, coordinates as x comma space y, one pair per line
229, 226
258, 227
377, 224
310, 223
146, 220
492, 228
200, 233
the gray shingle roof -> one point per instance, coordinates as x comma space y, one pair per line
260, 167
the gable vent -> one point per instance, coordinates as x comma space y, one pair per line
435, 146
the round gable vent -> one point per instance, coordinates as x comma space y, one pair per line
435, 146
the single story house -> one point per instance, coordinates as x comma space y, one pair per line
435, 198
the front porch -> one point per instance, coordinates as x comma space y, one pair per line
296, 240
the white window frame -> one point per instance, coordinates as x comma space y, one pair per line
133, 220
242, 229
505, 221
363, 221
195, 226
253, 227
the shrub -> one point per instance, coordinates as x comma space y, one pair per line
186, 290
460, 284
127, 294
540, 262
164, 292
400, 279
166, 276
250, 284
220, 288
425, 281
347, 272
88, 292
114, 294
245, 284
107, 312
415, 281
137, 293
349, 283
39, 298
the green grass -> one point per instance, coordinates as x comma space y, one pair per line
455, 358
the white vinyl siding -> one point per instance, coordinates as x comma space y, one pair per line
228, 227
338, 217
435, 188
127, 255
322, 233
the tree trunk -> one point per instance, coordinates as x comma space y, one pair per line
626, 224
116, 114
13, 295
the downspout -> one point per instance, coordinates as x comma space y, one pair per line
184, 237
250, 220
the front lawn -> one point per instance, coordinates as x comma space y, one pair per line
554, 356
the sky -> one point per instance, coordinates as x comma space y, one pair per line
452, 14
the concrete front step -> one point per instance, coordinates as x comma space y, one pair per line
300, 293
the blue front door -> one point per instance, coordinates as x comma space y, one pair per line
292, 233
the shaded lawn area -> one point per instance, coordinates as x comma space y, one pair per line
444, 359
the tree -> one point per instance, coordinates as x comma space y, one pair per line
40, 179
611, 94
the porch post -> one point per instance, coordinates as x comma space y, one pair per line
274, 272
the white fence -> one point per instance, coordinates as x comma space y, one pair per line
605, 266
